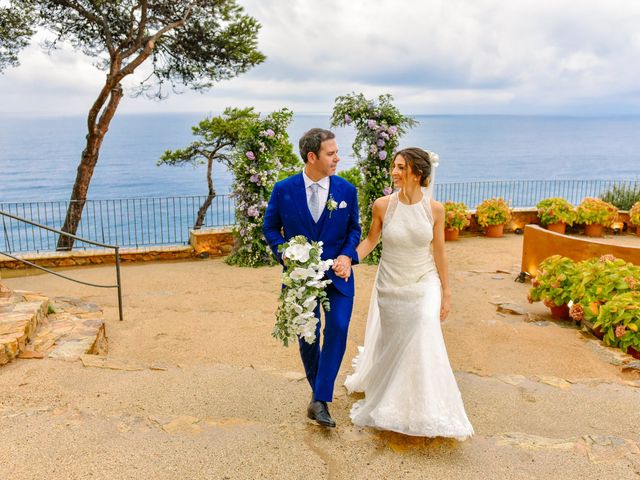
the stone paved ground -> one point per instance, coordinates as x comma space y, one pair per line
194, 387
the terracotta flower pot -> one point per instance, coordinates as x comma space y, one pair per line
559, 227
638, 230
561, 312
633, 352
451, 234
494, 231
593, 230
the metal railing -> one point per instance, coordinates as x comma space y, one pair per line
527, 193
130, 222
139, 222
116, 249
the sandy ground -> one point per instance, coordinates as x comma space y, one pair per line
231, 402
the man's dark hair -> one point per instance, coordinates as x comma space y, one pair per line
312, 140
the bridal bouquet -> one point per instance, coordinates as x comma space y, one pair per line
303, 290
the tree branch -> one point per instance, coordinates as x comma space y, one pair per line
98, 19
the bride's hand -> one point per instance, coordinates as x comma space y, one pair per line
445, 306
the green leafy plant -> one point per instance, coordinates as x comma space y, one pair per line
622, 196
216, 140
634, 214
619, 320
379, 126
555, 210
553, 284
593, 210
599, 281
493, 211
456, 215
262, 153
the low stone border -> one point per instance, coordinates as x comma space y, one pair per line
213, 242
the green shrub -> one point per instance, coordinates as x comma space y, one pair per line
456, 215
553, 284
622, 196
353, 175
556, 210
594, 210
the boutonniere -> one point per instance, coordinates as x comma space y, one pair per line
331, 204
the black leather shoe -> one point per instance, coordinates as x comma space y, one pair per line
319, 412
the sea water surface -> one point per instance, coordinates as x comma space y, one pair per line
39, 155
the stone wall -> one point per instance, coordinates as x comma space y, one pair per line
214, 243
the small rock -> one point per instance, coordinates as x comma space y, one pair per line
31, 354
512, 308
534, 318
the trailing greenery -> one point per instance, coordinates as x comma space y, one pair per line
379, 126
623, 196
263, 152
555, 210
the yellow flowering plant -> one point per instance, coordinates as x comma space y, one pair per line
493, 211
593, 210
456, 215
634, 214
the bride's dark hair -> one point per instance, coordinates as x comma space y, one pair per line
418, 161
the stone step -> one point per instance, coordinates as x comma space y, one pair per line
73, 328
20, 314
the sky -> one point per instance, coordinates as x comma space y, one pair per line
569, 57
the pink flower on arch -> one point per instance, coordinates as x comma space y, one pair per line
250, 155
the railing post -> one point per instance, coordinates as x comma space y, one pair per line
119, 282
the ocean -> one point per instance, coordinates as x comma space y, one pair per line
39, 155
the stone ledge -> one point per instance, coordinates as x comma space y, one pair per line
20, 316
213, 242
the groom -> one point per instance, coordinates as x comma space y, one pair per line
298, 206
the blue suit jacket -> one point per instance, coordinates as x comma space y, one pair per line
288, 215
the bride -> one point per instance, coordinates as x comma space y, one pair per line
404, 369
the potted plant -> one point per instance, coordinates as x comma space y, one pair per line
553, 284
619, 320
492, 214
596, 214
634, 216
556, 213
599, 280
456, 217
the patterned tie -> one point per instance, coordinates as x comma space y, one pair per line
314, 202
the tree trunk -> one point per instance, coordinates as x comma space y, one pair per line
88, 162
202, 212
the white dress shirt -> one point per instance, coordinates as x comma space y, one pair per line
323, 191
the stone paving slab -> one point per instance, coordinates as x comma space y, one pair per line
74, 329
32, 327
20, 316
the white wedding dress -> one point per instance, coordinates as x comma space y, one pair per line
403, 368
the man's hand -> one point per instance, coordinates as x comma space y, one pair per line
342, 266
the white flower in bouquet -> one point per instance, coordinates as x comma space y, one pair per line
298, 252
304, 288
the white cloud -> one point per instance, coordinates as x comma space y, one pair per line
434, 56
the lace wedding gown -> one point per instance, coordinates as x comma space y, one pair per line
403, 368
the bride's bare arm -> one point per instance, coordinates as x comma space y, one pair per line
369, 243
440, 257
